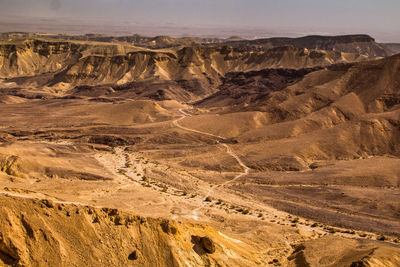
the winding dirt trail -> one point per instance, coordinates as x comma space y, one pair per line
272, 216
119, 160
184, 115
228, 150
227, 147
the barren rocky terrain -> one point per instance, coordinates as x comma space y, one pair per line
178, 153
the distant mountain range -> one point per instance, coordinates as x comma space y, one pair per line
357, 44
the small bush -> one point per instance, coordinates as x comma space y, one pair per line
295, 220
245, 211
382, 238
122, 171
208, 199
332, 230
314, 225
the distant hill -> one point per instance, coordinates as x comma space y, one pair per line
395, 47
359, 44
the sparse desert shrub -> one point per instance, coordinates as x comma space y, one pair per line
245, 211
122, 171
332, 230
295, 220
314, 225
220, 201
381, 238
208, 199
260, 215
313, 165
118, 220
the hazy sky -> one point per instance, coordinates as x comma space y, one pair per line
376, 17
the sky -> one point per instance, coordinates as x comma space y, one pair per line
379, 18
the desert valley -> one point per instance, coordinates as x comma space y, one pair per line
162, 151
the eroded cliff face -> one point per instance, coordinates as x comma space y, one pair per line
206, 65
32, 57
45, 233
91, 63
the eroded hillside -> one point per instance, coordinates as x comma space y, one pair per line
45, 232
